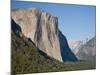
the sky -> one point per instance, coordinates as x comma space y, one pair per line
76, 22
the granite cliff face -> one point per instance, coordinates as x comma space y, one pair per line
42, 29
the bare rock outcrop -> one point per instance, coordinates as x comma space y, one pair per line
42, 28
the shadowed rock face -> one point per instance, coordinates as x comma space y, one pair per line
42, 29
66, 52
15, 27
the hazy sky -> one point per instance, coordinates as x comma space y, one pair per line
77, 22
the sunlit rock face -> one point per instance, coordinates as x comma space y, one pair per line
42, 28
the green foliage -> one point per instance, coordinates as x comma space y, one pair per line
27, 59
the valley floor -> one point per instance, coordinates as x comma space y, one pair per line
26, 58
79, 65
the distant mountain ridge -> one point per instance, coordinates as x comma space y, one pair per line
42, 28
88, 50
84, 50
75, 45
